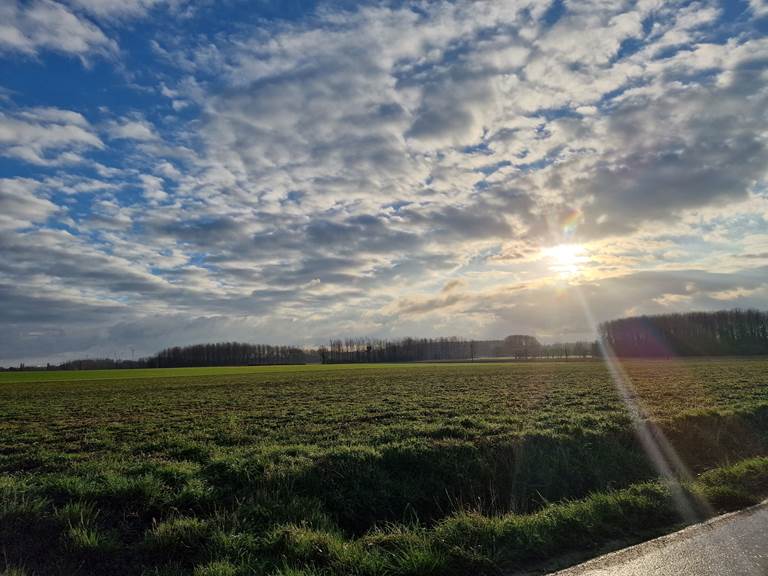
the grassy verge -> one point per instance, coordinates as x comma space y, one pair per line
233, 542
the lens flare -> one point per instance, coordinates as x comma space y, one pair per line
570, 222
652, 439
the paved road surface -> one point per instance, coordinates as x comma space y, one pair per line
731, 545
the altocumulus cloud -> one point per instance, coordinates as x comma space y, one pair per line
204, 172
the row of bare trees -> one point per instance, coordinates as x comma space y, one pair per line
403, 350
518, 346
226, 354
728, 332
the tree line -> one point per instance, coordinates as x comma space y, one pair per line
339, 351
728, 332
198, 355
517, 346
226, 354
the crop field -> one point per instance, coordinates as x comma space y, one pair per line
442, 469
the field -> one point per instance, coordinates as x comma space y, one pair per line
370, 470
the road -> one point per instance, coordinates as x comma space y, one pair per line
731, 545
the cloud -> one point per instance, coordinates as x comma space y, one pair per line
687, 148
20, 206
139, 130
759, 7
46, 136
168, 170
683, 141
47, 25
115, 9
153, 187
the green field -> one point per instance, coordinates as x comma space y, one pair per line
370, 470
143, 373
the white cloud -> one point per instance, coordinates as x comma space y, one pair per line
140, 130
153, 187
46, 136
47, 25
115, 8
20, 206
168, 170
759, 7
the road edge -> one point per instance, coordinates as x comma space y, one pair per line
632, 551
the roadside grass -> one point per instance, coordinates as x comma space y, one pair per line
469, 542
464, 542
397, 470
216, 568
13, 571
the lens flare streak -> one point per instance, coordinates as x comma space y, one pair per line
652, 439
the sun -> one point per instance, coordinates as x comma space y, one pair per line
566, 259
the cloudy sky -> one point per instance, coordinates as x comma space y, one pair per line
281, 171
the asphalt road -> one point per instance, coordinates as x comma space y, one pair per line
731, 545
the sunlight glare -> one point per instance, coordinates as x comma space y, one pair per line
567, 259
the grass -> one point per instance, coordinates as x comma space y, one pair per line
144, 373
370, 470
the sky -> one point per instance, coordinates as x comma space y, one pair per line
184, 171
